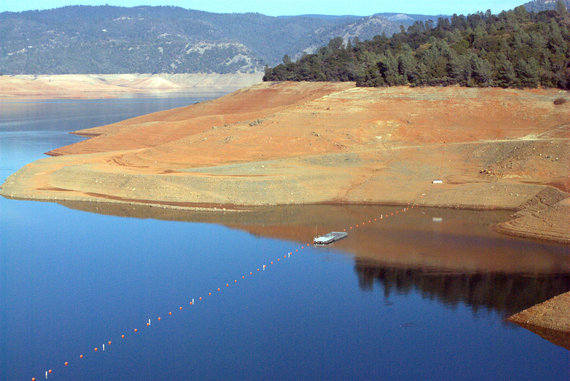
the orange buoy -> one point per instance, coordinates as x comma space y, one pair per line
96, 349
227, 285
80, 356
278, 259
302, 247
250, 273
257, 269
159, 318
122, 336
170, 313
218, 289
180, 308
296, 250
109, 342
49, 371
209, 293
350, 228
66, 363
235, 280
148, 324
136, 330
33, 379
271, 262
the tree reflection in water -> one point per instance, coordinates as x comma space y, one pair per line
502, 292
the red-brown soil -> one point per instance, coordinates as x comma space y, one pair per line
550, 319
309, 143
301, 143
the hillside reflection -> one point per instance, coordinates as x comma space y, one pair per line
453, 241
452, 256
505, 293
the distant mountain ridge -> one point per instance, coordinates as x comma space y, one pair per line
108, 39
167, 39
544, 5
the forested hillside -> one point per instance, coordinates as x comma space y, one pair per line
544, 5
107, 39
515, 48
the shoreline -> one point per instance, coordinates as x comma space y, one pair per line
502, 228
550, 320
108, 86
310, 144
313, 143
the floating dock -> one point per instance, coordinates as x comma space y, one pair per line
329, 238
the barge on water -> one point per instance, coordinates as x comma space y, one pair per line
329, 238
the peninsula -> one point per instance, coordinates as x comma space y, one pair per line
282, 143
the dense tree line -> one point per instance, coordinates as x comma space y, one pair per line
512, 49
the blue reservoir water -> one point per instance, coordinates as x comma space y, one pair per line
422, 296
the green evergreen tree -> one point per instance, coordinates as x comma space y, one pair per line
527, 72
506, 76
561, 8
513, 49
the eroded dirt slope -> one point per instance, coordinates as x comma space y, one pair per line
293, 143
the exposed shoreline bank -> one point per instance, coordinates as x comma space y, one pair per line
311, 143
328, 143
550, 320
90, 86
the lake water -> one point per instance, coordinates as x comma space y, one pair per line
422, 294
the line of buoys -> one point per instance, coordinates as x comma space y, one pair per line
192, 302
259, 269
380, 217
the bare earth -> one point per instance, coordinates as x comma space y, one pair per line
13, 87
300, 143
309, 143
550, 320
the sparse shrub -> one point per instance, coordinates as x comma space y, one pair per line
559, 101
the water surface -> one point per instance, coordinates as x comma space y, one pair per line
420, 295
